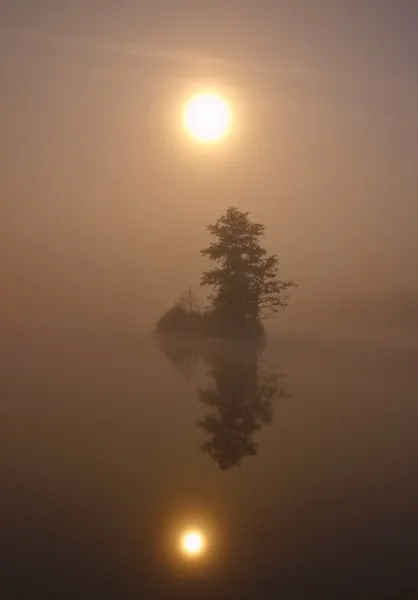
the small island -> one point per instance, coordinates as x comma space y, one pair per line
245, 283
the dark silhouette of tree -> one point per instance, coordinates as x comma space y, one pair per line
189, 302
241, 397
246, 285
183, 318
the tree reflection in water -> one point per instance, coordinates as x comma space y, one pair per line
240, 393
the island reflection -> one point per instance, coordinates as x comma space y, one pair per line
240, 390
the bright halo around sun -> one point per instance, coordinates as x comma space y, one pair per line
207, 117
193, 543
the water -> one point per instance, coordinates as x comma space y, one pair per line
298, 461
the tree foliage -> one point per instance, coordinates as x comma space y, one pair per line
246, 281
183, 318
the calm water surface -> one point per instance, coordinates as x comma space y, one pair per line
298, 461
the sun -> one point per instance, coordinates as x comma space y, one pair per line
207, 117
192, 543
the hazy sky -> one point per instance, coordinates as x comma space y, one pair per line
104, 200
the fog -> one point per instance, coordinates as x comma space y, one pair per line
300, 452
104, 201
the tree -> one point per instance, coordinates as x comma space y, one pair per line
183, 318
189, 302
245, 283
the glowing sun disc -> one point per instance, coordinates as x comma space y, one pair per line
192, 543
207, 117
